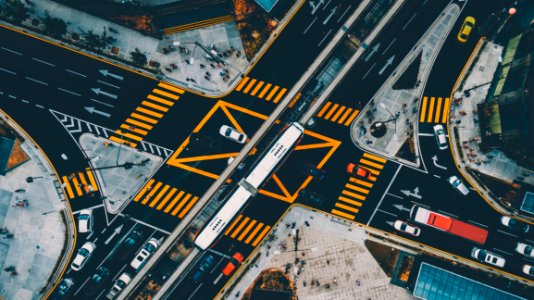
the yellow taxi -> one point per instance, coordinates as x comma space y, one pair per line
467, 26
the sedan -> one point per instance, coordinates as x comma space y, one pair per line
488, 257
83, 255
85, 221
355, 170
465, 31
236, 260
514, 224
525, 249
441, 138
147, 250
528, 269
458, 185
406, 228
232, 134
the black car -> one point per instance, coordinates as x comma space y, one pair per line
311, 197
204, 265
515, 225
308, 169
100, 275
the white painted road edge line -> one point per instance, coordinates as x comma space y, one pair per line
12, 51
502, 251
309, 26
109, 84
478, 223
43, 62
387, 212
325, 37
385, 193
507, 233
74, 72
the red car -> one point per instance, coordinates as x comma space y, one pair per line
355, 170
236, 260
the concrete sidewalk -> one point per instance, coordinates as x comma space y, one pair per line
39, 245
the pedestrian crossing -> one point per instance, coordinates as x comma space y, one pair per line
355, 191
434, 110
165, 198
78, 184
261, 89
147, 115
336, 113
247, 230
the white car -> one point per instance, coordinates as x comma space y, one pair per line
441, 137
145, 252
487, 257
458, 184
119, 285
406, 228
85, 221
515, 225
232, 134
83, 255
528, 269
525, 249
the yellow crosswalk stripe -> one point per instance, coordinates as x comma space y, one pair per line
430, 109
140, 124
342, 214
151, 193
445, 110
174, 200
143, 118
77, 186
346, 207
249, 86
423, 110
188, 207
182, 203
262, 234
233, 224
265, 89
160, 100
372, 164
271, 94
258, 86
253, 233
149, 112
374, 157
361, 182
244, 233
338, 113
238, 229
242, 84
159, 195
166, 94
345, 199
438, 110
143, 190
356, 188
129, 135
166, 199
82, 179
134, 129
352, 117
345, 115
373, 171
323, 110
155, 106
353, 195
92, 180
171, 88
70, 193
331, 111
280, 94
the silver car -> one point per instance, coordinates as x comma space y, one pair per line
488, 257
441, 137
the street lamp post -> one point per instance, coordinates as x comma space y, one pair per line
378, 129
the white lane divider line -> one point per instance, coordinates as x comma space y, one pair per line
39, 106
12, 97
76, 73
103, 103
25, 101
109, 84
8, 71
325, 37
12, 51
43, 62
309, 26
69, 92
36, 81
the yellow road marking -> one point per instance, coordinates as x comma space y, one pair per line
249, 86
174, 200
344, 199
149, 112
140, 124
128, 135
238, 229
233, 224
188, 207
92, 180
170, 88
373, 171
352, 117
134, 129
423, 110
160, 100
253, 233
166, 94
184, 201
445, 110
82, 179
244, 233
230, 117
265, 89
207, 157
342, 214
242, 83
281, 186
271, 94
279, 96
143, 190
346, 207
374, 157
68, 187
438, 110
159, 195
338, 113
166, 199
77, 186
331, 111
361, 182
345, 115
372, 164
313, 146
356, 188
322, 111
258, 86
141, 117
155, 106
198, 24
152, 192
353, 195
262, 234
430, 109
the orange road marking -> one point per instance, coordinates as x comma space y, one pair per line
346, 207
242, 83
92, 180
431, 109
244, 233
338, 113
149, 112
342, 214
438, 110
356, 188
361, 182
170, 88
174, 200
233, 224
160, 194
249, 86
140, 124
271, 94
141, 117
134, 129
374, 157
152, 192
262, 234
353, 195
265, 89
160, 100
423, 110
331, 111
238, 229
279, 96
143, 190
166, 94
344, 199
68, 187
184, 201
352, 117
372, 164
345, 115
253, 233
446, 110
155, 106
166, 199
188, 207
258, 86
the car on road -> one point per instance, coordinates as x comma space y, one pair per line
355, 170
205, 264
525, 249
406, 228
458, 185
515, 225
441, 137
145, 252
119, 285
466, 28
85, 221
311, 170
311, 197
83, 255
528, 269
100, 275
488, 257
64, 286
235, 261
232, 134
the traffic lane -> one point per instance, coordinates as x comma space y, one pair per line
438, 163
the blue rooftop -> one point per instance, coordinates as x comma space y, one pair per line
528, 203
267, 5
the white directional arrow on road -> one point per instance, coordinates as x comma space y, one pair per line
332, 13
106, 73
400, 207
373, 51
435, 161
92, 110
114, 234
98, 91
414, 194
388, 62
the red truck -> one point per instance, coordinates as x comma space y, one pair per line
448, 224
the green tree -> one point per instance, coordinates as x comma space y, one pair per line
16, 11
97, 42
138, 58
55, 27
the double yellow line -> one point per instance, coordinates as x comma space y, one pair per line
199, 24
